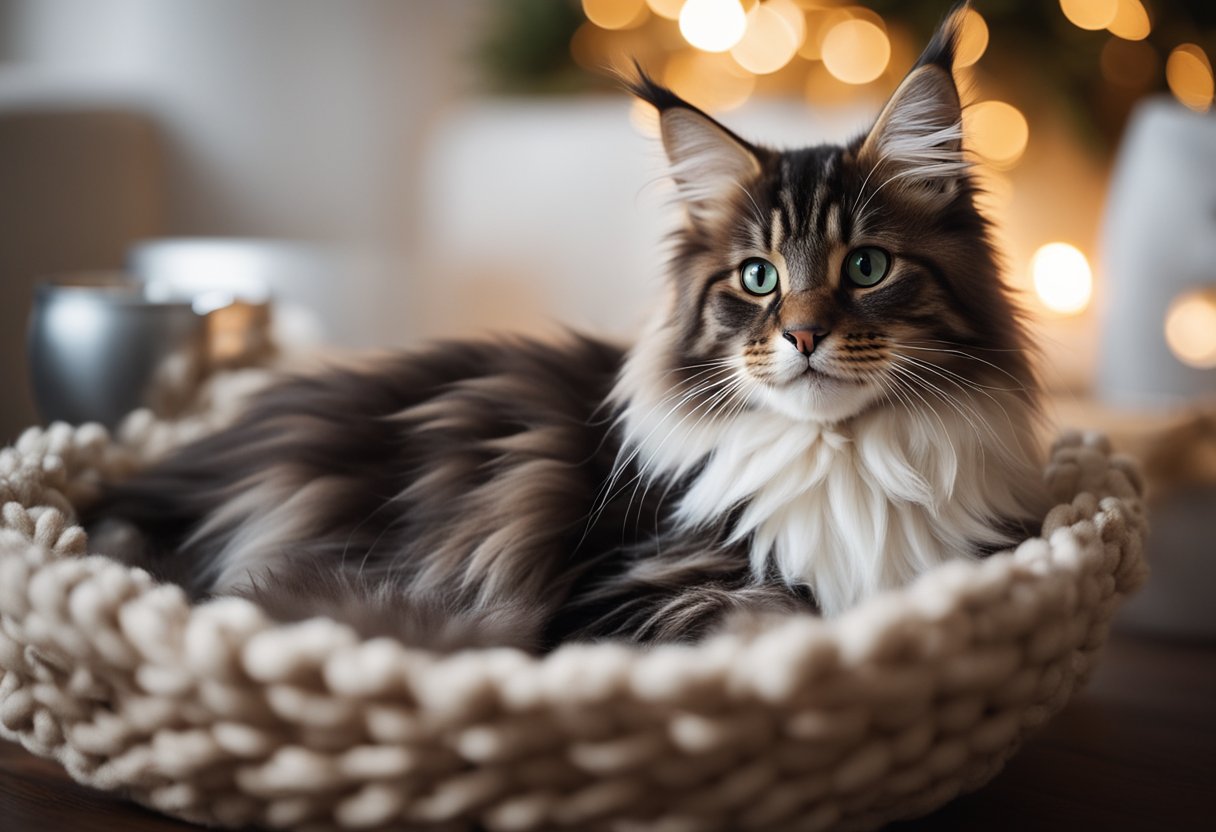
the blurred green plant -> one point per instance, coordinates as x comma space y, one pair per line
526, 47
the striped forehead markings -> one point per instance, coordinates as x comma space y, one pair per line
827, 198
786, 193
832, 222
822, 215
776, 230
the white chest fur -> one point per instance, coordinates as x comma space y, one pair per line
854, 509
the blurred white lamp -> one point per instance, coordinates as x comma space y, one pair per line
1158, 342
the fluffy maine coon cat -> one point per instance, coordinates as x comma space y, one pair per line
835, 398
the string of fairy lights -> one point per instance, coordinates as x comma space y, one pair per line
718, 54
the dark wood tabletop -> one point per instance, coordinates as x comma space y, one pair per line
1136, 750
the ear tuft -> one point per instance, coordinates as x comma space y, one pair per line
650, 91
944, 44
709, 163
920, 129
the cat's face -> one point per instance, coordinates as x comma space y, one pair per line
825, 281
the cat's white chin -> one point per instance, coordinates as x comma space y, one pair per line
816, 397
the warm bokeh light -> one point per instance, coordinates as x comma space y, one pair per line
973, 39
861, 13
818, 23
669, 9
793, 14
1131, 64
905, 47
856, 51
1190, 328
598, 50
822, 88
1090, 14
616, 14
769, 43
712, 82
587, 47
996, 131
1131, 21
1189, 74
713, 25
1062, 278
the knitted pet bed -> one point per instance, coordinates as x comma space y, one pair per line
216, 714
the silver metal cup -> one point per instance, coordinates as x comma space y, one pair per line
98, 348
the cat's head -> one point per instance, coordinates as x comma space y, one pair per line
829, 280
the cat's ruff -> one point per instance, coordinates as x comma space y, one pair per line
845, 509
217, 714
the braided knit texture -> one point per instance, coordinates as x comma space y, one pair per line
217, 714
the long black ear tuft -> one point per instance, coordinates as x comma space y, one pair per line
918, 134
651, 91
663, 99
944, 44
709, 163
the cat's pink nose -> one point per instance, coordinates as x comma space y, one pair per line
805, 339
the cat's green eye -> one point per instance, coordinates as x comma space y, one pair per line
758, 276
866, 266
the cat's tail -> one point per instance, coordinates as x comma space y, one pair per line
382, 606
149, 523
146, 522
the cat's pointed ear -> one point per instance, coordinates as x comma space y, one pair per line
709, 163
919, 133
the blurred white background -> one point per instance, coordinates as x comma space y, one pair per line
356, 125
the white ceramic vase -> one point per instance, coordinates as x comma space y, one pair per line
1158, 248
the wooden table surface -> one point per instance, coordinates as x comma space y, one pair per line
1135, 751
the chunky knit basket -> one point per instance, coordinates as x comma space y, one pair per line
217, 714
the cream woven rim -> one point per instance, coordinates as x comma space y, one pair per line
215, 713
